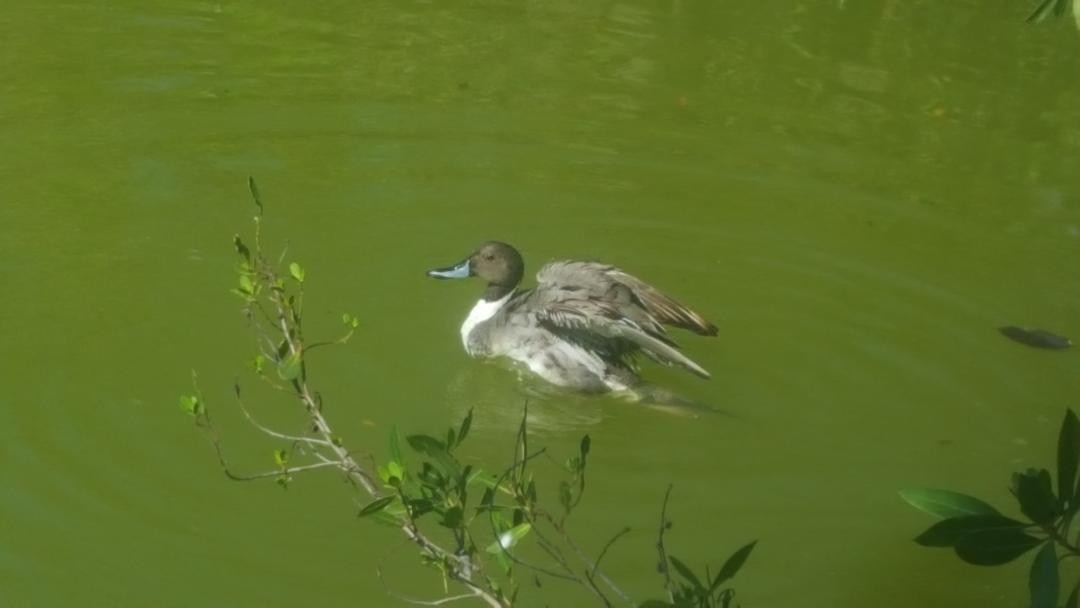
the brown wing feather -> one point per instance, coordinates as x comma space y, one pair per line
663, 307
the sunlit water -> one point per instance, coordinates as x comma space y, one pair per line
858, 194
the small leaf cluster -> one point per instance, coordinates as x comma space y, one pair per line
432, 485
192, 405
706, 591
982, 535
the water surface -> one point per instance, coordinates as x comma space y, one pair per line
858, 194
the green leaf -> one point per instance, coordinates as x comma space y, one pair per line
1035, 492
656, 604
732, 566
1068, 456
565, 495
687, 574
350, 321
1045, 8
258, 364
509, 538
947, 532
297, 272
1044, 581
946, 504
191, 404
1074, 597
376, 505
994, 546
394, 472
281, 458
395, 444
451, 437
290, 367
466, 424
247, 286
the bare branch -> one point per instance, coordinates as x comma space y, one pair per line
439, 602
272, 432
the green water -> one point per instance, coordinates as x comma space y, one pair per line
858, 194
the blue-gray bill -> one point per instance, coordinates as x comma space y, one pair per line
460, 271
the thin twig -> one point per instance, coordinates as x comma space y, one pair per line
285, 471
607, 546
589, 564
496, 533
269, 431
662, 564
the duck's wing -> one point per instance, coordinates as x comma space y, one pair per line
599, 279
592, 304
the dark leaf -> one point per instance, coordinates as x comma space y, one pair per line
994, 546
946, 504
1043, 581
426, 444
254, 188
241, 248
655, 604
948, 532
732, 566
585, 443
376, 505
435, 449
466, 424
420, 506
451, 436
1035, 492
1068, 456
452, 518
487, 500
687, 574
1038, 338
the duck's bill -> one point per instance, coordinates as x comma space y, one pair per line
461, 271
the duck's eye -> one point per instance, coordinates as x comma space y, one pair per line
489, 257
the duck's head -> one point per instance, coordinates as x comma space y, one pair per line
495, 262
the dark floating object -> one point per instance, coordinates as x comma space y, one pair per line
1039, 338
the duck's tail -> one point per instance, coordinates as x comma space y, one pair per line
667, 400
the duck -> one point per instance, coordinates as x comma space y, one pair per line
582, 326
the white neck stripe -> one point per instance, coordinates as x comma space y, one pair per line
483, 311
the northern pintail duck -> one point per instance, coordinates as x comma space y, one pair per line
580, 327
